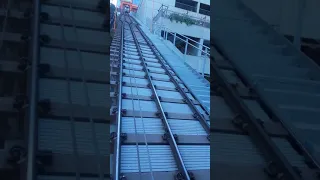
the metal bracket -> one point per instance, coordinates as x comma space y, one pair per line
24, 64
272, 170
179, 176
44, 158
123, 136
44, 106
113, 136
122, 177
123, 111
25, 36
44, 39
166, 136
44, 68
20, 102
115, 110
239, 123
158, 114
261, 122
44, 16
17, 154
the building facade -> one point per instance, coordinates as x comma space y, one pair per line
180, 21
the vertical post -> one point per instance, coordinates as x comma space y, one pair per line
200, 46
300, 12
198, 7
186, 47
174, 38
32, 113
166, 35
204, 61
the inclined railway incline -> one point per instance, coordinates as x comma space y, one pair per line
164, 130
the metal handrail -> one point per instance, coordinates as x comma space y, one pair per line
187, 41
165, 12
205, 54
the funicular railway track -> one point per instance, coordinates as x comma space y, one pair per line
164, 133
242, 120
268, 93
68, 133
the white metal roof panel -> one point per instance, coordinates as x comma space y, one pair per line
195, 157
55, 135
144, 125
161, 158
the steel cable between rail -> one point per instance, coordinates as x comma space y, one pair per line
87, 100
142, 120
71, 116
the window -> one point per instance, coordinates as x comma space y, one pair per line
204, 9
187, 5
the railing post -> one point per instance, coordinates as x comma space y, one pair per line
186, 47
204, 61
174, 38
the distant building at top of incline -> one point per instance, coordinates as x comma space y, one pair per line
128, 6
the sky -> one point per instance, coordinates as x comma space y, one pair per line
114, 2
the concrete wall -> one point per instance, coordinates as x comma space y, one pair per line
193, 31
196, 63
283, 13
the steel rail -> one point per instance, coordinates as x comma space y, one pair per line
116, 173
33, 94
196, 112
276, 115
254, 128
171, 139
